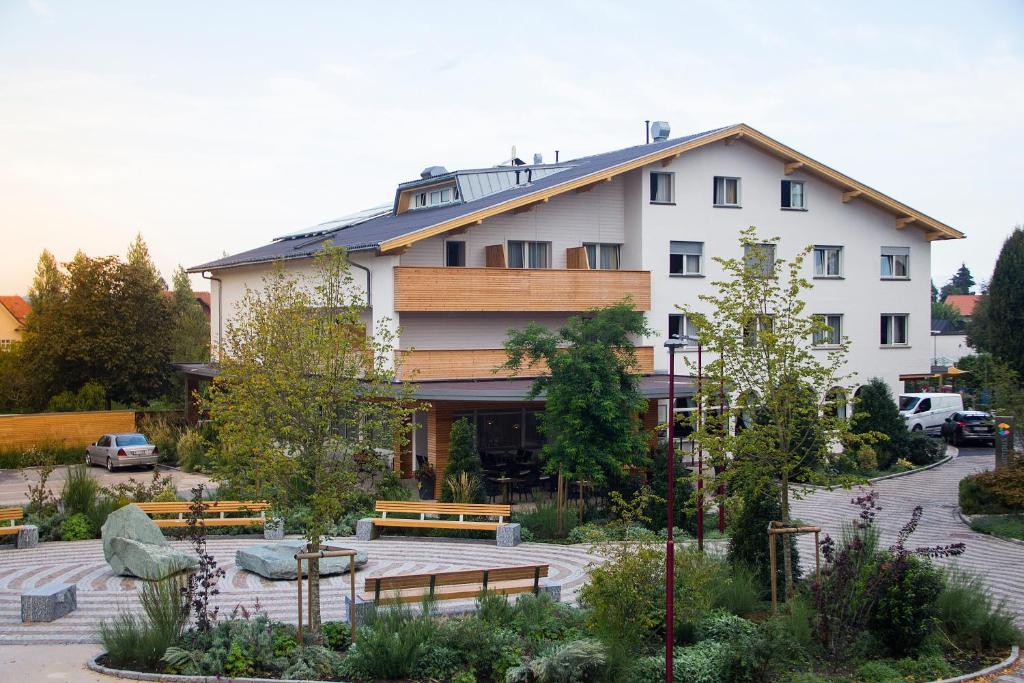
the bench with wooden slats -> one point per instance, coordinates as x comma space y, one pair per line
223, 508
8, 521
457, 585
461, 510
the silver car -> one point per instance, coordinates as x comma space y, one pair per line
122, 450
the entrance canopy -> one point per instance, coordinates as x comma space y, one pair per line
515, 390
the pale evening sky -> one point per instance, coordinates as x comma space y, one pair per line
213, 127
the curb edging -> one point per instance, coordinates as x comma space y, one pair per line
995, 668
916, 470
95, 666
964, 519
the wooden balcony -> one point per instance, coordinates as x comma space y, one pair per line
429, 289
437, 364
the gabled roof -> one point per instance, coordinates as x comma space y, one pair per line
964, 303
17, 307
392, 233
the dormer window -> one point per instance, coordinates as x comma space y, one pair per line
435, 197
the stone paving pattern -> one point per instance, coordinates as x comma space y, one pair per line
999, 562
101, 593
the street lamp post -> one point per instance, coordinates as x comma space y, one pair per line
671, 344
700, 446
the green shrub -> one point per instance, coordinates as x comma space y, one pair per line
922, 449
164, 433
867, 458
576, 661
261, 645
77, 527
479, 645
463, 677
390, 643
313, 664
797, 619
542, 521
239, 661
337, 635
463, 457
139, 642
994, 492
739, 593
709, 661
970, 617
748, 544
876, 411
435, 663
46, 453
877, 672
80, 491
807, 677
905, 612
49, 522
191, 450
930, 668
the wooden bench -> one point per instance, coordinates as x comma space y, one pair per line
457, 585
26, 535
214, 507
8, 519
507, 533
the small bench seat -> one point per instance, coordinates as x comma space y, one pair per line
456, 585
214, 507
26, 535
440, 517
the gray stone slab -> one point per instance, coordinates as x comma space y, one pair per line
49, 602
509, 535
551, 589
129, 557
366, 530
28, 537
360, 611
130, 522
277, 560
273, 529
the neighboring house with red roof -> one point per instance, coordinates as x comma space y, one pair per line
13, 311
202, 297
963, 303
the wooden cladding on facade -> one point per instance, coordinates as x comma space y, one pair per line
425, 289
434, 364
70, 429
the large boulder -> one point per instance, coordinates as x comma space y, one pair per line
146, 560
133, 545
277, 560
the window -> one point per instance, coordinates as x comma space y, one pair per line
436, 197
894, 329
603, 256
454, 253
727, 191
681, 326
661, 188
793, 194
837, 403
6, 344
895, 263
104, 441
828, 261
760, 258
833, 336
686, 258
529, 254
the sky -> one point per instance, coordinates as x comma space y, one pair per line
213, 127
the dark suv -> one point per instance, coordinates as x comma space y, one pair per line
969, 425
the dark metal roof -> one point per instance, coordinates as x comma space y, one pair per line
371, 234
489, 390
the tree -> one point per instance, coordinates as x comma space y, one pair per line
303, 392
190, 337
943, 311
1005, 306
140, 371
591, 417
960, 283
877, 413
463, 459
760, 335
978, 326
49, 285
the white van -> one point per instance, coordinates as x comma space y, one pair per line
927, 412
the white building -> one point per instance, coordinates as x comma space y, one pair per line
461, 256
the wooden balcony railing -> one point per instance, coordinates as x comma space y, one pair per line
436, 364
425, 289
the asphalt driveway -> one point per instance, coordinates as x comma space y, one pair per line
14, 483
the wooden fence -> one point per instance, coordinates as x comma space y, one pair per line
72, 429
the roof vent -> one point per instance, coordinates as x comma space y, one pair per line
660, 131
538, 159
433, 171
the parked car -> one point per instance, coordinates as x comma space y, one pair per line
122, 450
969, 425
928, 412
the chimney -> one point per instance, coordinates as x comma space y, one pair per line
538, 159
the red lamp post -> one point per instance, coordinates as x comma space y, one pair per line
671, 344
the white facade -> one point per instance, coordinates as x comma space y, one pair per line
620, 212
948, 349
